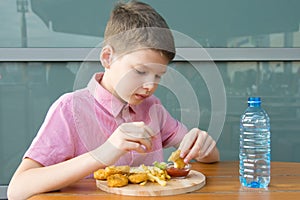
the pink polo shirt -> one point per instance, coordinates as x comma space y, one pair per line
80, 121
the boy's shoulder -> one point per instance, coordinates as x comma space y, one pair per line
73, 97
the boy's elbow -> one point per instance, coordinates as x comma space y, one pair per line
10, 193
15, 194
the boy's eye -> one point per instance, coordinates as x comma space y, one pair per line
139, 71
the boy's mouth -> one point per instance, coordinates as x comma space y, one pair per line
141, 96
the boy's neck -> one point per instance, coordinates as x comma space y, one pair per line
103, 83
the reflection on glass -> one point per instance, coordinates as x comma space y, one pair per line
22, 7
77, 23
21, 27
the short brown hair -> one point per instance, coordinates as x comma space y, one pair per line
136, 25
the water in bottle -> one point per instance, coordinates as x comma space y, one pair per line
255, 146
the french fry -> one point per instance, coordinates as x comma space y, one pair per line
158, 180
143, 183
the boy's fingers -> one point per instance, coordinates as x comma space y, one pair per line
137, 129
131, 145
140, 124
149, 131
146, 128
140, 145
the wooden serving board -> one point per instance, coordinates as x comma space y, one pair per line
194, 181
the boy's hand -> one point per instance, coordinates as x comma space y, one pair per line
196, 144
128, 136
132, 136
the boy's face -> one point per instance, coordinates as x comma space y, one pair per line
135, 76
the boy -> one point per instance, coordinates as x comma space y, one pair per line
115, 120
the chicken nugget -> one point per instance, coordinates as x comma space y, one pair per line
117, 180
175, 158
100, 174
138, 177
110, 170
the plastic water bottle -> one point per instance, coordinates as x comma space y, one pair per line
255, 149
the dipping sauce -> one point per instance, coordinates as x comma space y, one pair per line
178, 173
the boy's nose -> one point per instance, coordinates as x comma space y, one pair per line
149, 85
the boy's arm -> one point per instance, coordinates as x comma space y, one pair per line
32, 178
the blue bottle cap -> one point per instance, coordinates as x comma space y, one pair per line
254, 100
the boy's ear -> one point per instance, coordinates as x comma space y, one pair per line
106, 56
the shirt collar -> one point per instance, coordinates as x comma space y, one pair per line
111, 103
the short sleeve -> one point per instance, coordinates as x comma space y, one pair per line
54, 141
